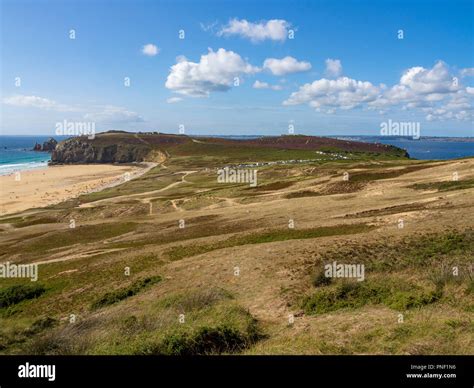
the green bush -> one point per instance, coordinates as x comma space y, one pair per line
318, 278
124, 293
396, 295
40, 325
15, 294
207, 340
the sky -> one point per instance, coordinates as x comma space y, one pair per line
238, 67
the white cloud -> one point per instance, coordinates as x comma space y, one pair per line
37, 102
150, 49
467, 72
326, 95
458, 106
173, 100
98, 113
285, 65
333, 68
264, 85
436, 92
426, 81
276, 29
215, 71
110, 114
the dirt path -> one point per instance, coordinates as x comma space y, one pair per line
149, 193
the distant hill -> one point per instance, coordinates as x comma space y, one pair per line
125, 147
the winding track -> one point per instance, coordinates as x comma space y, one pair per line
146, 193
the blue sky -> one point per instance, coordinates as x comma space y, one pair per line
372, 75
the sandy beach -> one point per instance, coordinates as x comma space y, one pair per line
45, 186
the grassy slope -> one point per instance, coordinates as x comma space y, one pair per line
194, 268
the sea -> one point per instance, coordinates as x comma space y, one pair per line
16, 151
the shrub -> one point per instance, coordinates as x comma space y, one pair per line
357, 294
15, 294
318, 278
206, 340
126, 292
41, 324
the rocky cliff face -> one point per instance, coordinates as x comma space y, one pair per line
48, 146
83, 150
124, 147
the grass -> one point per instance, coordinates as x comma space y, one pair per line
180, 252
319, 278
15, 294
452, 247
364, 176
411, 274
303, 194
196, 300
346, 294
209, 340
35, 221
82, 234
219, 329
445, 186
155, 179
388, 210
271, 186
126, 292
219, 326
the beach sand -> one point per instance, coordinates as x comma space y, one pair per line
45, 186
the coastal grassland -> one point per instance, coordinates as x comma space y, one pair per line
183, 180
213, 323
66, 236
179, 252
417, 298
155, 179
189, 271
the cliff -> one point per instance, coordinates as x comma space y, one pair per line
83, 150
124, 147
48, 146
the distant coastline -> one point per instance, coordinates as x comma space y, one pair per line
16, 152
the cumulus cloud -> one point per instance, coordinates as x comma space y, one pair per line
173, 100
150, 49
215, 71
457, 106
326, 94
276, 30
37, 102
110, 114
285, 65
264, 85
421, 81
333, 68
434, 91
